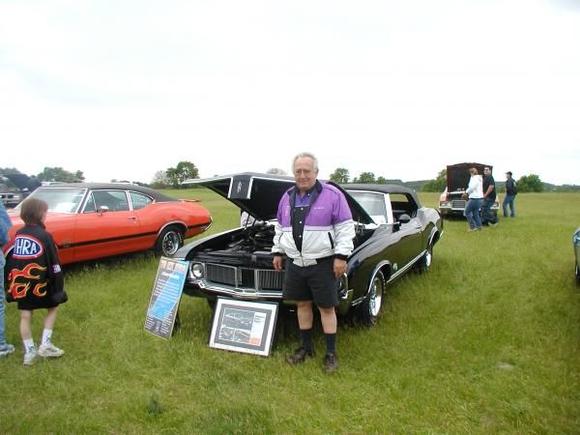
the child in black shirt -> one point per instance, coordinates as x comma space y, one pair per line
35, 279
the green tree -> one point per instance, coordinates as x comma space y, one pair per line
4, 171
381, 180
160, 180
183, 171
366, 178
59, 174
530, 183
340, 176
438, 184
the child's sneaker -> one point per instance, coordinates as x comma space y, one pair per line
29, 358
50, 351
6, 349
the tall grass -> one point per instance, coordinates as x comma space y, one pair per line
486, 342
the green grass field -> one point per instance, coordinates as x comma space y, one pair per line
486, 342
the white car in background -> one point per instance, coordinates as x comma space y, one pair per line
451, 201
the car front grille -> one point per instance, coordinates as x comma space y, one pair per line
458, 203
221, 274
242, 277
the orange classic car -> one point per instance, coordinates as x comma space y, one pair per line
89, 221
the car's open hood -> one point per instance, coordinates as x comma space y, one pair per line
458, 175
259, 194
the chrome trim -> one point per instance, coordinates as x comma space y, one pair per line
378, 267
238, 292
406, 267
358, 301
175, 222
234, 285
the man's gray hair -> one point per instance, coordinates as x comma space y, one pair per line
303, 155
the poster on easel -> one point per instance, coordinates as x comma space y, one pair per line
165, 297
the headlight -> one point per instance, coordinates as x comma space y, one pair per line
197, 270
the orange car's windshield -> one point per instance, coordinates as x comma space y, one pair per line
60, 200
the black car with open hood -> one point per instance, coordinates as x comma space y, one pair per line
394, 234
258, 194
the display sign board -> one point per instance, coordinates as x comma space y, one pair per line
165, 297
244, 326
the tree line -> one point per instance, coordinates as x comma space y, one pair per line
50, 174
173, 177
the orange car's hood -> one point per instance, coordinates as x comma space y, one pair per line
51, 218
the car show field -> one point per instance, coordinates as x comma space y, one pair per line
486, 342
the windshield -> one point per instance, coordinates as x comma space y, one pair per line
60, 200
373, 203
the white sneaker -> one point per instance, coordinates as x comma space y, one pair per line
29, 358
50, 351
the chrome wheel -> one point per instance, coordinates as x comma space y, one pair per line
424, 263
376, 296
370, 308
428, 257
171, 242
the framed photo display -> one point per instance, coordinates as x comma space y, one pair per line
244, 326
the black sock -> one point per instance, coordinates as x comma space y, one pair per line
306, 335
331, 343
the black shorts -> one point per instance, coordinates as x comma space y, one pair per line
312, 283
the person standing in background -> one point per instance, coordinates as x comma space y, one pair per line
5, 224
489, 195
511, 190
474, 194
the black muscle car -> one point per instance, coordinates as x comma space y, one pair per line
394, 234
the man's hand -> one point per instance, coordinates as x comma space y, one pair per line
278, 263
339, 267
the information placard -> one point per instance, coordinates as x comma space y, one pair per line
244, 326
165, 297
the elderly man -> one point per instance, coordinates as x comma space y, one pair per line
315, 231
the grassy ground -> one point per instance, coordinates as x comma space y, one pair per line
487, 342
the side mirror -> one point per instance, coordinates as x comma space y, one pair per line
102, 209
404, 218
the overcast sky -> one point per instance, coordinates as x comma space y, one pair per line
122, 89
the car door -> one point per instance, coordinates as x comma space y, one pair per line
387, 235
409, 233
106, 226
